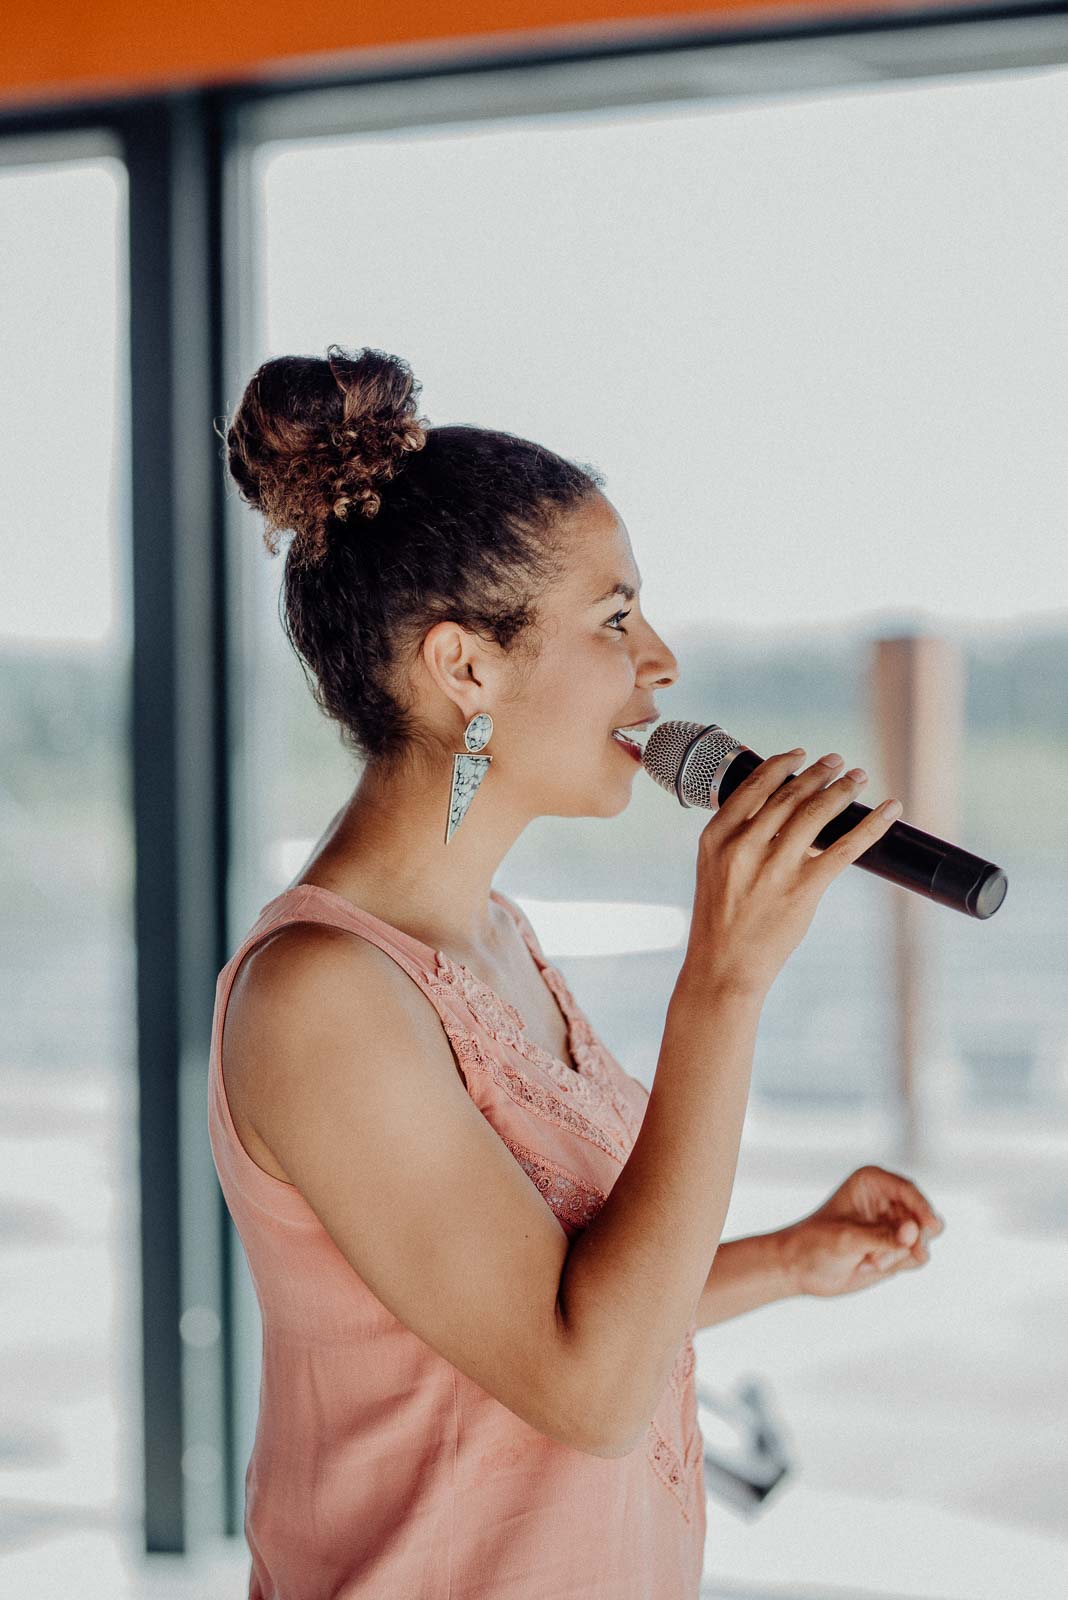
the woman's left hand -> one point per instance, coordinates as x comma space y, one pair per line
875, 1224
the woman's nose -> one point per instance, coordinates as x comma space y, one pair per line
669, 667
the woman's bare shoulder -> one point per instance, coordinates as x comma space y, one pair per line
303, 978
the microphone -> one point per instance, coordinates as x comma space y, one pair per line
703, 765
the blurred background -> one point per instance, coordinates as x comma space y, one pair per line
793, 278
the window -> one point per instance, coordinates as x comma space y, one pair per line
815, 341
69, 1130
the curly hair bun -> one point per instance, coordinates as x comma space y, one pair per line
313, 439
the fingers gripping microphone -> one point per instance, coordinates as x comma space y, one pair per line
703, 765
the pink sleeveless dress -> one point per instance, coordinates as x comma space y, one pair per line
379, 1469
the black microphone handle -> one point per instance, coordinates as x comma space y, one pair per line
904, 855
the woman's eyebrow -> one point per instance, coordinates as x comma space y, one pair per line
619, 587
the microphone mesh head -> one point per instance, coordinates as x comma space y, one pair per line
688, 759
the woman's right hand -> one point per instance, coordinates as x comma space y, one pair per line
758, 878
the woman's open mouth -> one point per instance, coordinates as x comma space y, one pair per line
629, 740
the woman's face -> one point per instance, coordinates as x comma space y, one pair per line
598, 669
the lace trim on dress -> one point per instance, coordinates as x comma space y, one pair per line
587, 1049
672, 1469
681, 1473
573, 1201
589, 1052
685, 1362
526, 1091
581, 1096
501, 1018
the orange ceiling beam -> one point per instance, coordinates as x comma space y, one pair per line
68, 51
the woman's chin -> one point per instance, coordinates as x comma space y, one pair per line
605, 798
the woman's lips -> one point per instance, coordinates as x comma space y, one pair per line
632, 749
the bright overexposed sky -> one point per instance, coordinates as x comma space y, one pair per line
819, 345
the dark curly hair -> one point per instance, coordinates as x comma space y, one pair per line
397, 525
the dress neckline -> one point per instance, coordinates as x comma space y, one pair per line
470, 982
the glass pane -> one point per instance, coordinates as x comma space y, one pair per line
70, 1442
816, 346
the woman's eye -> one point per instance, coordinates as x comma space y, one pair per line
611, 621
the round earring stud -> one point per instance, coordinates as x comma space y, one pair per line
479, 731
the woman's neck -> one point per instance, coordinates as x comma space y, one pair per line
385, 850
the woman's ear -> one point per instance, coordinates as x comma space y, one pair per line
457, 663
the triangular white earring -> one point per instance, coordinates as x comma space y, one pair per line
468, 770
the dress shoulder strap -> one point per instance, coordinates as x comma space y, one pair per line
310, 903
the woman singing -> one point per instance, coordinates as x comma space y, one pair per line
481, 1248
